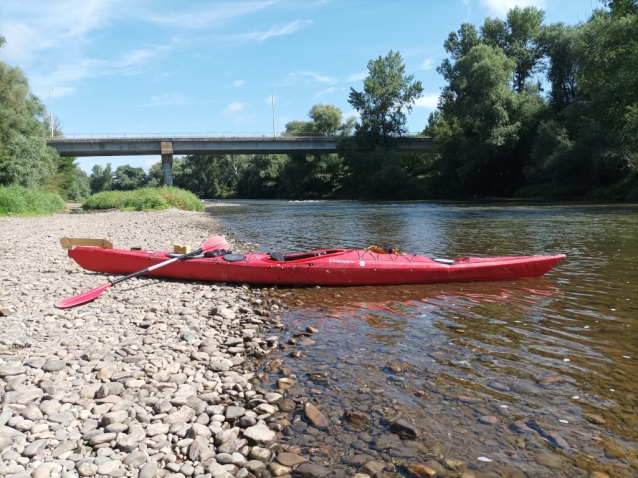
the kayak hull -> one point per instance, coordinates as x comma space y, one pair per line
336, 267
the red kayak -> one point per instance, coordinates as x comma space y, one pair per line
336, 267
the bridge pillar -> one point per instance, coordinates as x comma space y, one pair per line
167, 162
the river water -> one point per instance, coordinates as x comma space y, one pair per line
534, 377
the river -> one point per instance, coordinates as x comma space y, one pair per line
534, 377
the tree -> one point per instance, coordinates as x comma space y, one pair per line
101, 179
128, 178
388, 95
558, 44
484, 129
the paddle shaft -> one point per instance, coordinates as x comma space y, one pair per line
157, 266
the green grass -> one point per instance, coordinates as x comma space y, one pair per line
19, 201
145, 199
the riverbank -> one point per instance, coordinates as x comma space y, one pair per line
155, 378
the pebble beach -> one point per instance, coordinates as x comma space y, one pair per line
153, 379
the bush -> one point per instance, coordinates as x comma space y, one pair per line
145, 199
20, 201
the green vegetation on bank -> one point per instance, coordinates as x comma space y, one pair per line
145, 199
20, 201
27, 165
528, 109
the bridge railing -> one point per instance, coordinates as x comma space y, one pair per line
201, 135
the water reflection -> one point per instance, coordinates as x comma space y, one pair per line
536, 375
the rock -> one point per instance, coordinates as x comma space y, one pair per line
4, 417
358, 419
273, 397
216, 470
287, 405
44, 470
109, 467
32, 412
63, 418
260, 434
86, 470
26, 396
220, 365
109, 388
184, 414
200, 450
549, 460
314, 416
114, 417
278, 470
285, 383
135, 459
311, 470
290, 459
54, 365
258, 453
520, 427
34, 448
129, 442
594, 418
102, 438
498, 386
157, 429
418, 470
557, 440
373, 467
148, 470
198, 429
7, 370
488, 420
404, 429
233, 413
107, 371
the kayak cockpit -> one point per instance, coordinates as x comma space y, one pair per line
303, 256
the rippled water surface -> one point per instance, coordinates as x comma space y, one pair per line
540, 376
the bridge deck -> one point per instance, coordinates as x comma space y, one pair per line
216, 145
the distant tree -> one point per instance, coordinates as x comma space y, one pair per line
558, 43
128, 178
101, 179
388, 95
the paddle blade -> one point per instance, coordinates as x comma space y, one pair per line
82, 298
215, 242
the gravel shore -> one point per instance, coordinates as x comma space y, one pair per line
153, 379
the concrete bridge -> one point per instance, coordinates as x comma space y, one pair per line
167, 146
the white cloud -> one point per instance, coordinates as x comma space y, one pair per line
358, 76
60, 25
238, 83
501, 7
215, 15
234, 107
427, 64
167, 99
307, 77
129, 63
427, 101
263, 35
329, 90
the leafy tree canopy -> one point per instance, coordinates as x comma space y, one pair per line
388, 95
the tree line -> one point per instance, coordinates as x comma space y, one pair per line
528, 109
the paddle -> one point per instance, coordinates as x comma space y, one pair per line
215, 242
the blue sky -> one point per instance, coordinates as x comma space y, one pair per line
142, 66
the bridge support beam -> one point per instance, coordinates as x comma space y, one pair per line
167, 162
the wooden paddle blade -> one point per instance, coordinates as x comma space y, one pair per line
215, 242
82, 298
